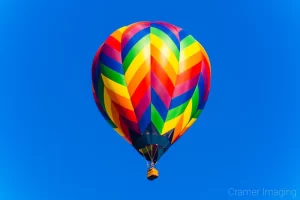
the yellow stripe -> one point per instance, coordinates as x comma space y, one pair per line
189, 51
137, 63
119, 131
187, 114
122, 29
115, 87
188, 126
159, 44
169, 125
191, 122
107, 104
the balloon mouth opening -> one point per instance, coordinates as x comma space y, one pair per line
151, 146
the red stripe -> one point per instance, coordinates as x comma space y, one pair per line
143, 104
140, 91
114, 43
162, 76
128, 114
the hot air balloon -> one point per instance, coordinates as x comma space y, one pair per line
150, 82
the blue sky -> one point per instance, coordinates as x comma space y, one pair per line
54, 144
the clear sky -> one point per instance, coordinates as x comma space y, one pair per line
54, 144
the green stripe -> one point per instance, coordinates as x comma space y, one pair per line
197, 114
169, 42
111, 123
156, 119
112, 75
177, 111
195, 101
187, 41
135, 50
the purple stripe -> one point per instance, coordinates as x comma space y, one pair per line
143, 105
206, 79
160, 89
112, 53
186, 86
131, 125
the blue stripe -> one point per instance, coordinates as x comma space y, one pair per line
158, 104
111, 63
137, 37
177, 101
183, 34
201, 92
145, 120
167, 31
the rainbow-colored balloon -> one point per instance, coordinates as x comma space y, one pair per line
151, 81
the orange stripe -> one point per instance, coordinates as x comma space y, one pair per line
116, 116
177, 129
135, 82
189, 74
118, 99
117, 35
163, 63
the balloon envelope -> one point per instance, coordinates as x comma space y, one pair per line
151, 81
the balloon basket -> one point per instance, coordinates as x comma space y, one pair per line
152, 174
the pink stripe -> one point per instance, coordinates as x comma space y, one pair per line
127, 35
178, 29
143, 105
160, 89
186, 86
112, 53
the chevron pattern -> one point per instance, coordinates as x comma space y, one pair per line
151, 73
